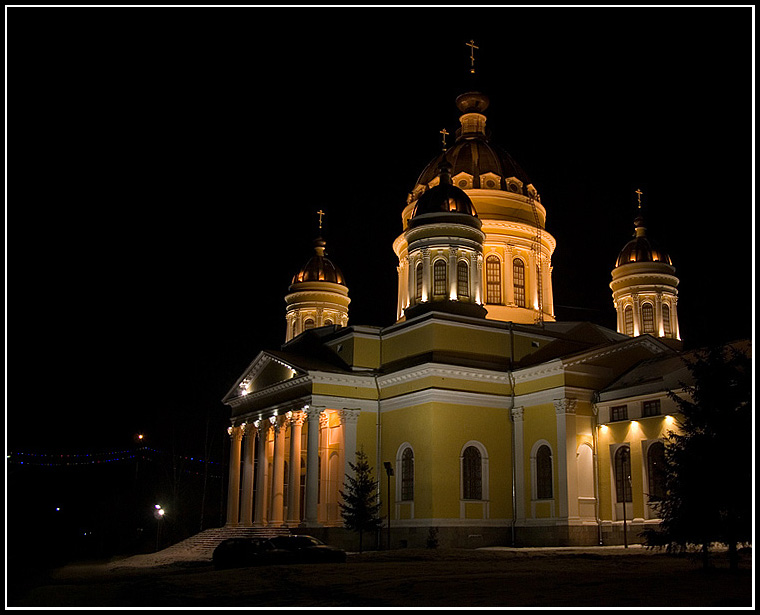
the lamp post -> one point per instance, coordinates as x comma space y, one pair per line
625, 454
389, 472
159, 515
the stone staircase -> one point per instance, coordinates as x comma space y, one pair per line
198, 548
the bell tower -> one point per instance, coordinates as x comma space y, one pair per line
644, 287
318, 295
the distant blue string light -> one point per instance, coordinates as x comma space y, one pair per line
76, 459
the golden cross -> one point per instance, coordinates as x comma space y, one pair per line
321, 213
445, 133
472, 47
639, 192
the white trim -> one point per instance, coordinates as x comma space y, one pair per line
484, 480
534, 479
399, 473
445, 396
418, 372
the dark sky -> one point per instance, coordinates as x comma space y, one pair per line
165, 167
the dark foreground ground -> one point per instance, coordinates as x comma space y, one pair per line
606, 577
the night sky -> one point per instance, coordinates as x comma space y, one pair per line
165, 167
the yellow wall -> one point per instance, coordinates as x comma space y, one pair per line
438, 432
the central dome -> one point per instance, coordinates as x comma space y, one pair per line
483, 164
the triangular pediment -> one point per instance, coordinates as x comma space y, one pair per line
264, 372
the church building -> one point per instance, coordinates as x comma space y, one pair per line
501, 425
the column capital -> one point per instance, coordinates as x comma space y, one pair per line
313, 412
249, 429
297, 418
235, 432
517, 413
565, 406
349, 415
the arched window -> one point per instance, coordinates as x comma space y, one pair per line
463, 280
493, 279
472, 474
623, 474
518, 274
666, 320
308, 323
407, 475
294, 329
328, 321
544, 473
656, 471
439, 277
628, 318
418, 282
647, 317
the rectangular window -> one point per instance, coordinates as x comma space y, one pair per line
463, 280
619, 413
493, 280
518, 273
439, 278
651, 408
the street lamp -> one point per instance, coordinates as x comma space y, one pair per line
159, 515
389, 472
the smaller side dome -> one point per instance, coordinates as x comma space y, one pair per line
319, 268
641, 249
445, 197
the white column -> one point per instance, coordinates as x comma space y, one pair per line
411, 281
262, 471
427, 274
452, 294
246, 516
658, 326
674, 318
312, 464
567, 470
278, 473
294, 469
636, 315
233, 491
517, 425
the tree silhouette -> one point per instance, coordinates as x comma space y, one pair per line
360, 507
708, 462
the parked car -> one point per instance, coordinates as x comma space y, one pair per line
301, 549
237, 552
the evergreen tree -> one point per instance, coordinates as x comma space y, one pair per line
708, 462
360, 507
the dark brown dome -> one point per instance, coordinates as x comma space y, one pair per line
641, 249
444, 198
319, 268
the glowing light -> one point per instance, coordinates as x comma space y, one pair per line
669, 419
140, 436
158, 506
161, 512
604, 428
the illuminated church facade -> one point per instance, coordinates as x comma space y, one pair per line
501, 424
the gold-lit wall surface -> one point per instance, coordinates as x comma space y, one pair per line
315, 304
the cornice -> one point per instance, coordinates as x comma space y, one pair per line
426, 370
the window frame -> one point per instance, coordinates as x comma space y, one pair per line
463, 281
493, 280
440, 277
519, 282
